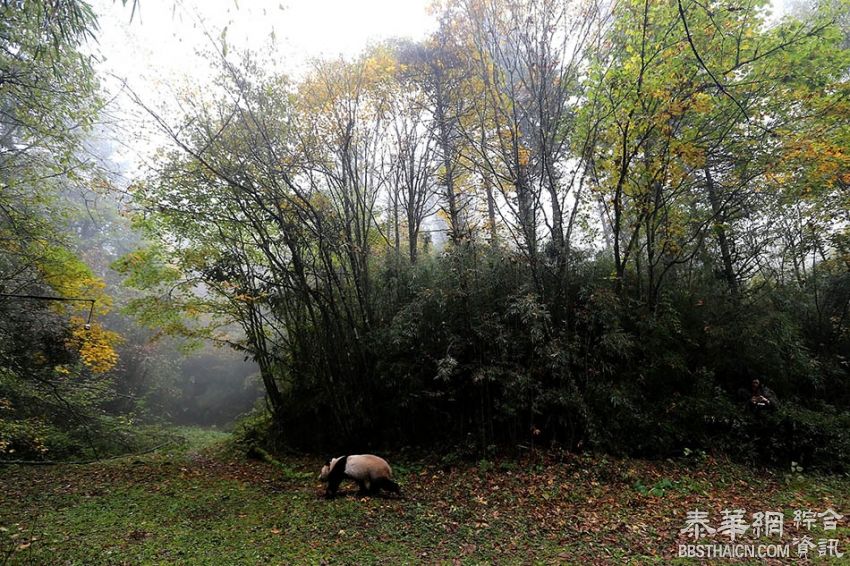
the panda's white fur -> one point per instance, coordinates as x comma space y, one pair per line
369, 471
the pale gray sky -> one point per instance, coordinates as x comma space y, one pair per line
157, 51
162, 39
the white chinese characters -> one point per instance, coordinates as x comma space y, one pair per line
697, 524
735, 525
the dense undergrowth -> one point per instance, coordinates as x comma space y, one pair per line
464, 355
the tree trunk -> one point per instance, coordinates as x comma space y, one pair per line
448, 175
491, 210
720, 216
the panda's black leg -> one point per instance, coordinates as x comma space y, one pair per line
387, 485
392, 486
333, 486
363, 491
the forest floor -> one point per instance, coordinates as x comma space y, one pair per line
203, 504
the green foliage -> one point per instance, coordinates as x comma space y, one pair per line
66, 420
257, 430
56, 366
657, 490
47, 84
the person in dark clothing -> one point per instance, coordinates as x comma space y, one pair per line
760, 397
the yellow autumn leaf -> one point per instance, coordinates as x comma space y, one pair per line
95, 345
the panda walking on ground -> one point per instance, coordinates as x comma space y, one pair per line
370, 472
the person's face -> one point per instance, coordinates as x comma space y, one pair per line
755, 384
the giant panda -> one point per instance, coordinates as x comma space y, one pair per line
370, 472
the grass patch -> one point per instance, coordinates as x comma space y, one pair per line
196, 502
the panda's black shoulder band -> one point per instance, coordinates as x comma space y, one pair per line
337, 472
